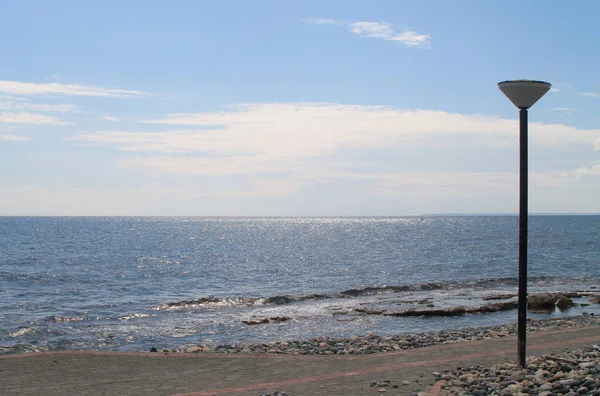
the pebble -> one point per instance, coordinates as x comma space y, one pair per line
372, 343
573, 373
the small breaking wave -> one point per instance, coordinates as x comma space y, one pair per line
57, 319
22, 331
483, 284
210, 302
133, 316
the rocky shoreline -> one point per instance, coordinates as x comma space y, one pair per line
371, 343
572, 373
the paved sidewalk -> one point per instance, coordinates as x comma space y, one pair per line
107, 373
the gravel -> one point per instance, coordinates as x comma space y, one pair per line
372, 343
572, 373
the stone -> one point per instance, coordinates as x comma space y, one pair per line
541, 301
546, 387
565, 303
255, 321
280, 319
499, 306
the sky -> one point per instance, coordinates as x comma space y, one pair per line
295, 108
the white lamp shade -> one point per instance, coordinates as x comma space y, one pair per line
524, 93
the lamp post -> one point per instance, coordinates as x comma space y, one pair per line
523, 94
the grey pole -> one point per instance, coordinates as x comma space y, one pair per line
523, 214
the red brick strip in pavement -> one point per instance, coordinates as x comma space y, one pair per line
377, 369
436, 388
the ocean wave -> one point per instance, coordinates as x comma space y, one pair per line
210, 301
57, 319
22, 331
133, 316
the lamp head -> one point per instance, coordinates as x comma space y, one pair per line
524, 93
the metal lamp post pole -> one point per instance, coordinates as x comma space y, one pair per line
523, 94
523, 214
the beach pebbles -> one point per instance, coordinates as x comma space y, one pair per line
572, 373
371, 343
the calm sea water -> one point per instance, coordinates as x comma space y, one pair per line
130, 283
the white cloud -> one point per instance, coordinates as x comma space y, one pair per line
597, 145
385, 31
13, 138
594, 95
588, 171
566, 110
46, 108
308, 138
34, 89
554, 89
10, 98
322, 21
110, 118
30, 118
380, 30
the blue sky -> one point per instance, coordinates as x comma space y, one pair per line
294, 107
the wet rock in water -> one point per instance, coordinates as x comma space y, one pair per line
255, 321
595, 300
505, 296
369, 311
280, 319
453, 311
541, 301
565, 303
499, 306
153, 349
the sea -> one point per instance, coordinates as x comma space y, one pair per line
134, 283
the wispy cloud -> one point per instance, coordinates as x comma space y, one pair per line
588, 171
594, 95
110, 118
310, 137
8, 105
566, 110
381, 31
28, 118
37, 89
322, 21
553, 89
385, 31
13, 138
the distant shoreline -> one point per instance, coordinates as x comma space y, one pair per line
503, 214
307, 216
